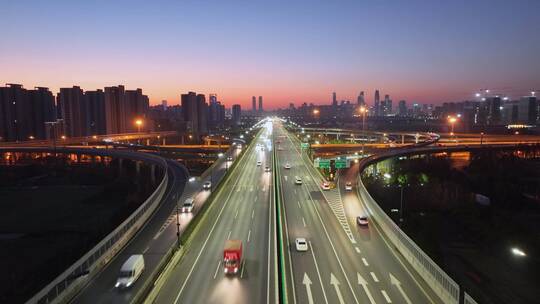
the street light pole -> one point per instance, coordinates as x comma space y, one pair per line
177, 222
401, 206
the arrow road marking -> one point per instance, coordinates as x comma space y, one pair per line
334, 281
307, 282
363, 282
395, 281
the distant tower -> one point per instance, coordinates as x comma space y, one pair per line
254, 104
260, 104
376, 103
334, 99
361, 101
164, 105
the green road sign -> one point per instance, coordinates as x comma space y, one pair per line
304, 145
322, 163
341, 163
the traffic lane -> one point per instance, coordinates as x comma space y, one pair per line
101, 288
206, 266
170, 293
230, 228
382, 258
362, 281
326, 266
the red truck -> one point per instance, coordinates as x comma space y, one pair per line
232, 256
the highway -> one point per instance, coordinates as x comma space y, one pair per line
344, 263
155, 237
241, 210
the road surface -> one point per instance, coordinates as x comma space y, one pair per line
241, 210
345, 263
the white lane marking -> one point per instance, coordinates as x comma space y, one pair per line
294, 191
217, 269
335, 252
357, 250
206, 241
249, 234
252, 213
285, 177
318, 273
299, 205
236, 214
334, 281
307, 282
243, 267
386, 297
395, 281
229, 236
364, 283
374, 277
146, 249
304, 221
365, 261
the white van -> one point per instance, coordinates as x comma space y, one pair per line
130, 271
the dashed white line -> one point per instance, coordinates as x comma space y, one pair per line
374, 277
304, 221
357, 250
217, 269
229, 236
249, 234
386, 297
236, 214
365, 261
252, 213
299, 205
243, 267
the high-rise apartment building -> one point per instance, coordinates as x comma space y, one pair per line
73, 111
361, 99
376, 103
334, 99
236, 113
23, 113
195, 112
254, 104
95, 101
528, 110
115, 110
402, 108
260, 104
137, 105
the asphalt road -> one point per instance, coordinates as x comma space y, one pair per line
345, 263
241, 210
155, 238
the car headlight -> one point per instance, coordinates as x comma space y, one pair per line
129, 284
117, 284
235, 269
225, 269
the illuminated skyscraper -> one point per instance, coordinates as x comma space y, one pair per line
361, 101
376, 103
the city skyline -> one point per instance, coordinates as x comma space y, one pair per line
444, 53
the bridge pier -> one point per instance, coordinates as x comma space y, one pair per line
120, 162
402, 139
164, 141
148, 141
138, 168
153, 173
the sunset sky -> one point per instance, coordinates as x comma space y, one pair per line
287, 51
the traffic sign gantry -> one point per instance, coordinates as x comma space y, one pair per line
341, 163
322, 163
304, 145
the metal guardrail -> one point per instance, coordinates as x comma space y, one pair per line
468, 299
441, 283
446, 288
64, 286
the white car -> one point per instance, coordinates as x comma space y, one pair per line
325, 186
131, 270
297, 180
259, 163
188, 205
229, 158
362, 220
348, 186
287, 166
207, 185
301, 244
266, 169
